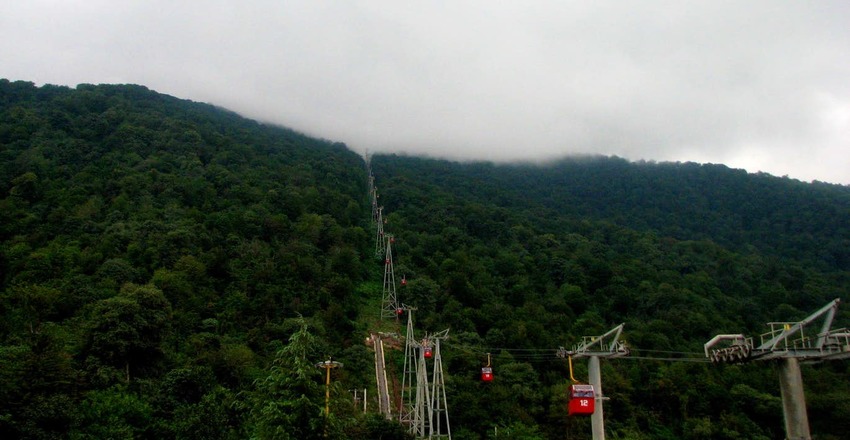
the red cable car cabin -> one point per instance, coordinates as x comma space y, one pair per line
486, 374
426, 352
582, 400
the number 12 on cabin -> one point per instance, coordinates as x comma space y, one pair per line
582, 400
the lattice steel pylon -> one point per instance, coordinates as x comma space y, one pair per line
789, 343
607, 345
373, 197
440, 427
380, 240
422, 414
407, 404
389, 302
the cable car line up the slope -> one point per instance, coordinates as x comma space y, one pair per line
777, 344
425, 409
384, 239
430, 409
550, 354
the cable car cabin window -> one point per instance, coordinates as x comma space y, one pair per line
582, 400
486, 374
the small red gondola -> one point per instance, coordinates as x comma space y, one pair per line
399, 311
427, 352
582, 400
403, 281
487, 374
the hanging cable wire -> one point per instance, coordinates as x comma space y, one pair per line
665, 359
548, 354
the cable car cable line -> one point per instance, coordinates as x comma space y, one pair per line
545, 354
667, 359
430, 415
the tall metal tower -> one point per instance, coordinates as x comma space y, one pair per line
373, 197
422, 414
380, 240
789, 343
440, 427
409, 371
607, 345
389, 301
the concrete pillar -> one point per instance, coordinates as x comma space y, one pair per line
595, 378
793, 400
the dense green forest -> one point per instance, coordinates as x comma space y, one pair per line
156, 255
169, 269
530, 257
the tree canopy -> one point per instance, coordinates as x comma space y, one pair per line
169, 269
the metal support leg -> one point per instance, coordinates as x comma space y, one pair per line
793, 400
597, 420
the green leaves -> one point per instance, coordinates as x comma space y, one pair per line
288, 403
126, 332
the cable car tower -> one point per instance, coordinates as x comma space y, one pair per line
422, 417
380, 241
607, 345
430, 414
409, 372
389, 302
788, 343
373, 196
439, 406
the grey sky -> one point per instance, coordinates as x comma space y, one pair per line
761, 85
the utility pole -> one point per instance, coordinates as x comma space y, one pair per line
607, 345
357, 399
789, 344
328, 365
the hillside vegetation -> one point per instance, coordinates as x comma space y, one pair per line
169, 269
529, 257
154, 253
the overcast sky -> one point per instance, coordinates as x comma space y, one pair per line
760, 85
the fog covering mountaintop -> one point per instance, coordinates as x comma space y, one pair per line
172, 270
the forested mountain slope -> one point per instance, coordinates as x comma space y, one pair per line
523, 257
169, 269
153, 255
688, 201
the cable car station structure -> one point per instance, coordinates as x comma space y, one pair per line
607, 345
788, 343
